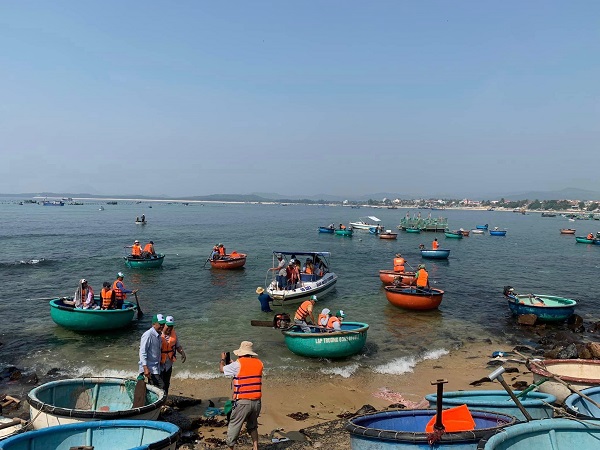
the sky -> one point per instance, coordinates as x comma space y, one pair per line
183, 98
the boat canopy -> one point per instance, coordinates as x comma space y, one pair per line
373, 218
324, 254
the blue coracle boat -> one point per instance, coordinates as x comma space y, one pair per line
435, 254
555, 434
547, 308
582, 407
405, 430
101, 435
482, 227
497, 232
326, 230
536, 403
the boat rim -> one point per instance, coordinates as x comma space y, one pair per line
455, 398
131, 258
538, 371
568, 302
402, 290
130, 306
92, 414
363, 327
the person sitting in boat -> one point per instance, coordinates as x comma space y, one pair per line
422, 277
342, 226
84, 296
331, 226
108, 296
136, 249
435, 244
308, 267
335, 322
305, 311
293, 274
222, 251
399, 263
421, 246
323, 318
137, 219
215, 253
264, 300
148, 250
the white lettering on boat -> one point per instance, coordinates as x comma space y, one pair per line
330, 340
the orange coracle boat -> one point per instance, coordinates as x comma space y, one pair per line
414, 298
388, 235
387, 277
234, 260
567, 231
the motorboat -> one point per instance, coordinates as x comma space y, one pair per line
366, 223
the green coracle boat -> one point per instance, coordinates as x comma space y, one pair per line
144, 263
346, 232
453, 234
583, 240
324, 344
91, 319
412, 230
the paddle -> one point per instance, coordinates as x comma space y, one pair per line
44, 298
207, 260
139, 394
139, 310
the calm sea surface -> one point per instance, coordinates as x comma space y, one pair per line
213, 308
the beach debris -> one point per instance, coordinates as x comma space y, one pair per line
396, 398
520, 385
480, 381
215, 441
568, 352
299, 416
178, 401
346, 415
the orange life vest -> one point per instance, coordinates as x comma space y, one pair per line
149, 248
322, 316
423, 277
136, 250
248, 382
332, 320
119, 294
303, 310
590, 236
106, 295
222, 251
342, 227
308, 270
167, 347
435, 245
398, 264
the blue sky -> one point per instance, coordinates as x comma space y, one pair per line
332, 97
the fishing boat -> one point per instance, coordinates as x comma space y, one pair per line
344, 232
482, 227
234, 260
388, 277
555, 434
412, 230
478, 231
320, 282
435, 254
456, 234
387, 234
100, 435
537, 404
141, 222
144, 263
405, 430
583, 240
567, 231
75, 400
78, 319
326, 230
411, 297
497, 232
579, 373
53, 203
101, 208
365, 223
324, 344
464, 232
547, 308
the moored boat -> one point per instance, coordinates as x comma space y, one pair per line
78, 319
464, 232
387, 234
99, 435
584, 408
387, 277
75, 400
411, 297
583, 240
53, 203
579, 373
547, 308
497, 232
456, 234
324, 344
567, 231
366, 223
233, 260
477, 231
435, 254
412, 230
344, 232
326, 230
144, 263
482, 227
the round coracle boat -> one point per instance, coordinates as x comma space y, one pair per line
411, 297
327, 344
232, 261
387, 277
78, 319
567, 231
144, 263
388, 235
579, 373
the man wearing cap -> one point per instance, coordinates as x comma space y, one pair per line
136, 249
247, 392
304, 311
281, 272
264, 300
170, 345
335, 322
422, 277
148, 250
150, 348
120, 291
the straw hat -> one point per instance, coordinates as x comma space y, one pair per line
245, 349
259, 290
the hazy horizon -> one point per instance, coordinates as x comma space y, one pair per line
343, 98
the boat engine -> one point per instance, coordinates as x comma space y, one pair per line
281, 321
508, 290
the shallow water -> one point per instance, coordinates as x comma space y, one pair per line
46, 250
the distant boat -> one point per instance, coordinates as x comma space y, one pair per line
497, 232
53, 203
567, 231
366, 223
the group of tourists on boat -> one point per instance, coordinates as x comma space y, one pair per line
111, 296
218, 252
138, 253
421, 275
326, 322
290, 274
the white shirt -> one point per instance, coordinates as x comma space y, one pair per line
232, 369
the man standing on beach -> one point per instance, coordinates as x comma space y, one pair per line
247, 391
150, 350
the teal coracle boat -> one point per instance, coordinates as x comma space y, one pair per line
453, 234
100, 435
91, 319
583, 240
412, 230
323, 344
346, 232
144, 263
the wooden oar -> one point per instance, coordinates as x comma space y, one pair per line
44, 298
139, 310
207, 260
262, 323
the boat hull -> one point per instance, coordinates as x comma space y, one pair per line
101, 435
91, 319
567, 231
388, 235
435, 254
289, 296
579, 373
337, 344
326, 230
583, 240
144, 263
497, 232
347, 233
77, 400
412, 230
482, 227
229, 262
414, 298
553, 308
452, 235
387, 277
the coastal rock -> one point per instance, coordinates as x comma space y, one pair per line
15, 375
31, 379
177, 418
594, 348
569, 352
366, 409
298, 416
583, 352
553, 353
575, 323
595, 327
55, 372
178, 401
527, 319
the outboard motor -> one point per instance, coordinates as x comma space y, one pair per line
508, 290
281, 321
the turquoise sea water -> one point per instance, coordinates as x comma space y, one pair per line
213, 308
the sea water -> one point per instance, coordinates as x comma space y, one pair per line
44, 251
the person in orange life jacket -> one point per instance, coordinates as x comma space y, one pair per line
304, 311
399, 263
120, 291
84, 296
342, 226
435, 244
222, 251
215, 253
150, 352
324, 317
590, 236
335, 322
422, 277
293, 274
170, 345
308, 267
107, 295
247, 374
264, 300
148, 250
136, 249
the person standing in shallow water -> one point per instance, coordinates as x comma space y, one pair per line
264, 300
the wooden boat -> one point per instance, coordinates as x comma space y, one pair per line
76, 400
325, 344
497, 232
583, 240
387, 277
144, 263
456, 234
405, 430
91, 319
414, 298
412, 230
435, 254
326, 230
233, 260
581, 407
482, 227
364, 223
537, 404
555, 434
547, 308
100, 435
464, 232
319, 283
567, 231
387, 234
347, 232
579, 373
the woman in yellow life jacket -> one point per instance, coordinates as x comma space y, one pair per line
422, 277
170, 346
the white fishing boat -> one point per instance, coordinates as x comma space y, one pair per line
319, 282
366, 223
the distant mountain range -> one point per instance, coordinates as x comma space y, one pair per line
564, 194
